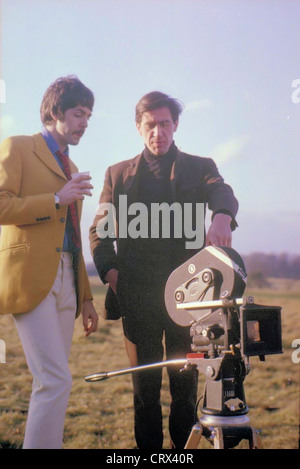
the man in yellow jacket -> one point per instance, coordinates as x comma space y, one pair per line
43, 280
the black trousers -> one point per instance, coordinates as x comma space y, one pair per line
148, 326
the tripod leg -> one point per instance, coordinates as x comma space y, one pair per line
255, 443
194, 438
218, 438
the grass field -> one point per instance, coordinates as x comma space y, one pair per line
100, 414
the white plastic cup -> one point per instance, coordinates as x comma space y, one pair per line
84, 173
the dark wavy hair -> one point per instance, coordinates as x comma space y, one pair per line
63, 94
155, 100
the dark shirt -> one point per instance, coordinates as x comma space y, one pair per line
151, 260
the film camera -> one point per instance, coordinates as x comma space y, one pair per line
205, 294
210, 302
226, 329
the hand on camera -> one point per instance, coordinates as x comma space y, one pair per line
219, 233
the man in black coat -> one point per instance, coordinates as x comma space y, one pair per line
153, 206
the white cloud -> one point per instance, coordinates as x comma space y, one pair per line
229, 149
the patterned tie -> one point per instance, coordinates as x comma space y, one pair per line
72, 217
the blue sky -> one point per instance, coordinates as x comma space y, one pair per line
231, 62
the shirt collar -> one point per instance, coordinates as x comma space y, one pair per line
51, 142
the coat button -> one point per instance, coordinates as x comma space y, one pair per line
62, 219
58, 249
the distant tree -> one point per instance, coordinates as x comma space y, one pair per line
257, 279
273, 265
295, 267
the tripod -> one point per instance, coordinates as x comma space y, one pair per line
224, 433
224, 422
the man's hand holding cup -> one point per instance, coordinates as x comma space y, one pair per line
75, 189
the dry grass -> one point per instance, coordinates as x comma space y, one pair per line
100, 415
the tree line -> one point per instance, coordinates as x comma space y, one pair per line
258, 263
273, 265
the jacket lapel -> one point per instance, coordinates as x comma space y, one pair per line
42, 151
176, 173
182, 178
131, 178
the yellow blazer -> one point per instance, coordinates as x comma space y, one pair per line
33, 229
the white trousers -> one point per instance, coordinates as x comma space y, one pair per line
46, 335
